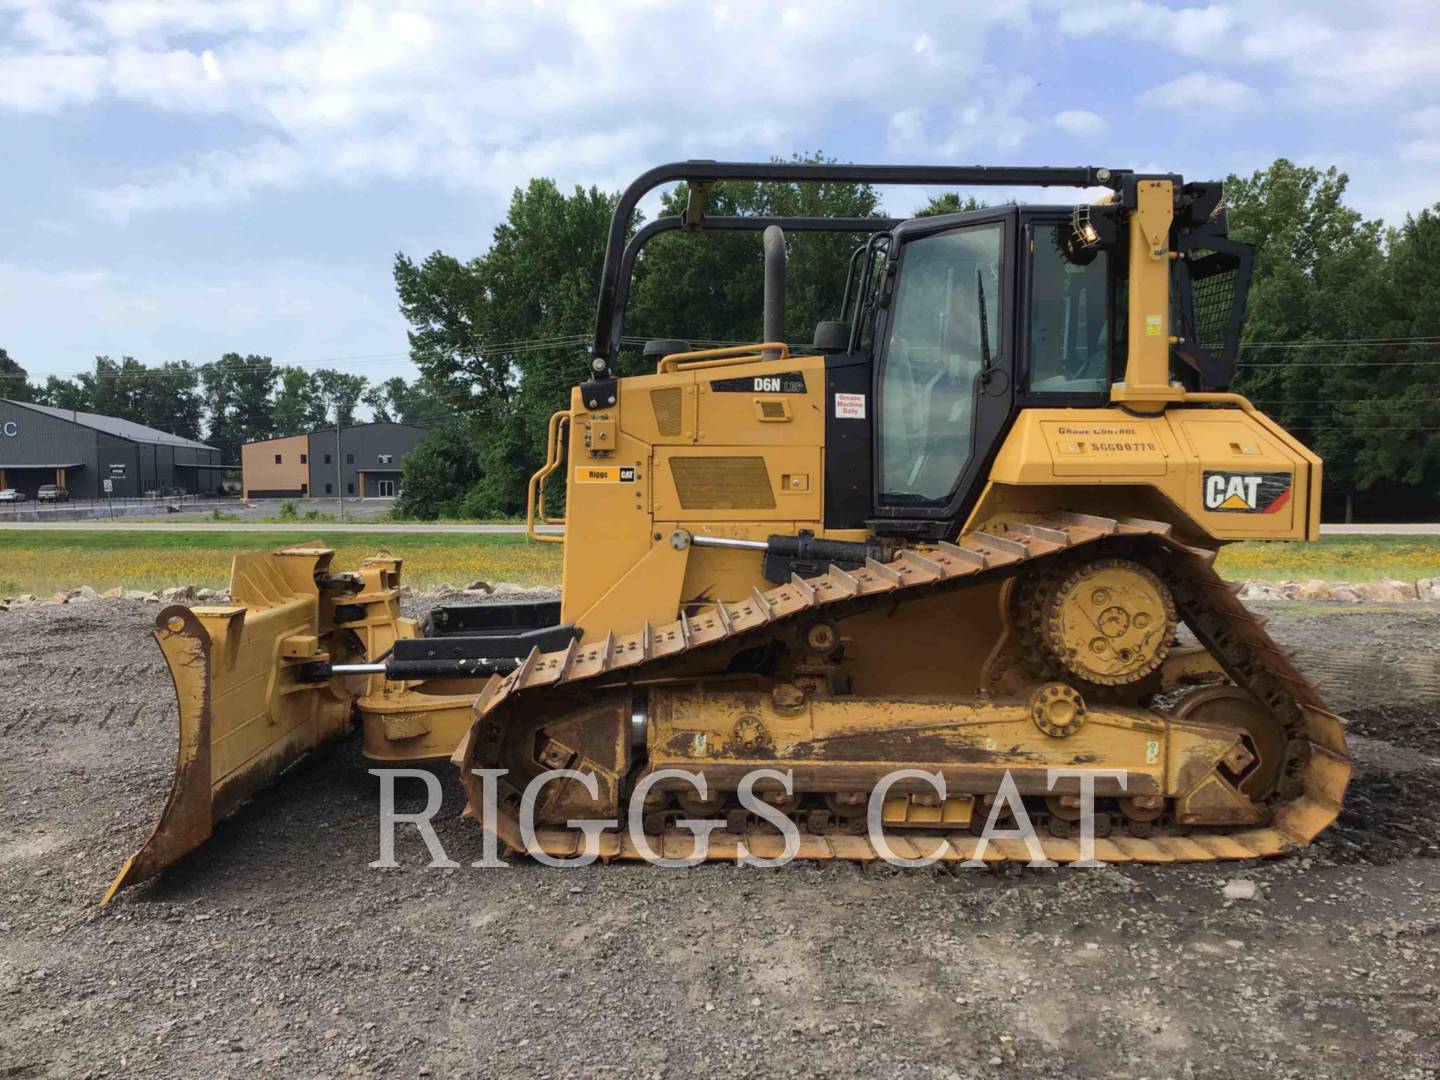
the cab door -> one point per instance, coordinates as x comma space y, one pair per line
944, 386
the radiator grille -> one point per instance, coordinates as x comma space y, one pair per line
666, 404
722, 483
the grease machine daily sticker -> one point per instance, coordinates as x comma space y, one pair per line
605, 474
786, 382
1246, 492
850, 406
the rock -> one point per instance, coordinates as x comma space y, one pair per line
1241, 889
178, 593
86, 594
151, 598
1346, 592
479, 586
1427, 588
1386, 589
116, 593
60, 598
212, 596
1261, 590
1315, 589
25, 598
136, 594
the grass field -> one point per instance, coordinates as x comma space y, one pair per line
43, 561
1335, 558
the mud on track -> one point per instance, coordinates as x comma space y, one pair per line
276, 950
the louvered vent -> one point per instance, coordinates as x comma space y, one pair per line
722, 483
771, 409
666, 404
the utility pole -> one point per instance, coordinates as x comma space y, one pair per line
339, 477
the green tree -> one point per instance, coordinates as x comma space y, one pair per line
63, 394
441, 472
1399, 411
406, 403
113, 388
340, 392
950, 202
708, 287
14, 380
170, 399
500, 339
299, 404
238, 394
1317, 287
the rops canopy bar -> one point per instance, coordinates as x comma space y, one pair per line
699, 174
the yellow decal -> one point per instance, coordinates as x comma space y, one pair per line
1152, 753
1154, 325
610, 474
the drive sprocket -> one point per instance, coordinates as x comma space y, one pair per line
1110, 621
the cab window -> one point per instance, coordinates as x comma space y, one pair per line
944, 327
1069, 333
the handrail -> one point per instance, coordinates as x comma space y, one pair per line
555, 435
535, 490
1217, 397
731, 354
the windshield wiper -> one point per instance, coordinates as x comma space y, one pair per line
984, 321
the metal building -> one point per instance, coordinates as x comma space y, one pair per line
79, 451
365, 460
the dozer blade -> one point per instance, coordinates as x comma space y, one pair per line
245, 712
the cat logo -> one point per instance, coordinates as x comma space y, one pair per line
1247, 493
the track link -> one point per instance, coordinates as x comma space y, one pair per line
1307, 798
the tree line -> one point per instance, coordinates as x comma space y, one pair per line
234, 400
1341, 345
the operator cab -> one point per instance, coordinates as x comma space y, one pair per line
963, 319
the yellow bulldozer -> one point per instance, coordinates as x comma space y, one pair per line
960, 546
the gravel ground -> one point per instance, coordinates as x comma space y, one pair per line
276, 950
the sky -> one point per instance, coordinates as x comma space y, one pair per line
183, 179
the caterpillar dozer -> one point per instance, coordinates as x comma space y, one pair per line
969, 532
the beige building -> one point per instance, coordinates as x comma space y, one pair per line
276, 468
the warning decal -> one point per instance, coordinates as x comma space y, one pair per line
1247, 493
850, 406
611, 474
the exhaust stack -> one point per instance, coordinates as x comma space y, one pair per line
774, 308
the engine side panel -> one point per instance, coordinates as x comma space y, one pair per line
1229, 473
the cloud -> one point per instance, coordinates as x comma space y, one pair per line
1192, 31
1426, 150
44, 82
1323, 53
1080, 122
1423, 120
1200, 91
479, 94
